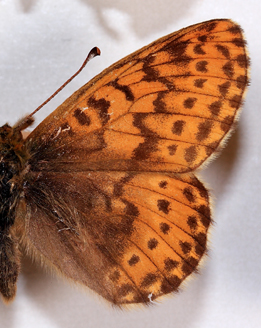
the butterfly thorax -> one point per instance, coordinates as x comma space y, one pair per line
12, 157
11, 144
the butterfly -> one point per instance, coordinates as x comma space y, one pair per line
104, 190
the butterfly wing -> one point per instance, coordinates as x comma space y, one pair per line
128, 236
104, 198
167, 107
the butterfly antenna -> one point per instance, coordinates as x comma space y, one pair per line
27, 121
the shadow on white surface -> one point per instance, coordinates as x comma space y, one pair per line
219, 172
27, 5
145, 18
65, 306
142, 13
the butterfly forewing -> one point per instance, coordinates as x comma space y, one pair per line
107, 200
166, 107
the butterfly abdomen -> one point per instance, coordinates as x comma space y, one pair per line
10, 168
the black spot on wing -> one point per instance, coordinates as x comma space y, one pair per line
204, 130
192, 222
118, 187
164, 227
199, 50
188, 193
134, 260
172, 149
228, 69
149, 280
199, 83
202, 38
163, 184
190, 154
235, 29
102, 106
81, 117
151, 139
152, 243
185, 246
170, 264
159, 103
123, 88
189, 102
131, 209
241, 82
178, 127
207, 26
223, 50
224, 88
201, 66
215, 107
163, 205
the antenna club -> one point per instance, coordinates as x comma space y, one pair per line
95, 52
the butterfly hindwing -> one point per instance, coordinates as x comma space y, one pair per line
126, 236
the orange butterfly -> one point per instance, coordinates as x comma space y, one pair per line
103, 190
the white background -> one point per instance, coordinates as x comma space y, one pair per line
42, 43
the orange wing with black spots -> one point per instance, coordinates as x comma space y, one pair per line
108, 194
131, 237
167, 107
